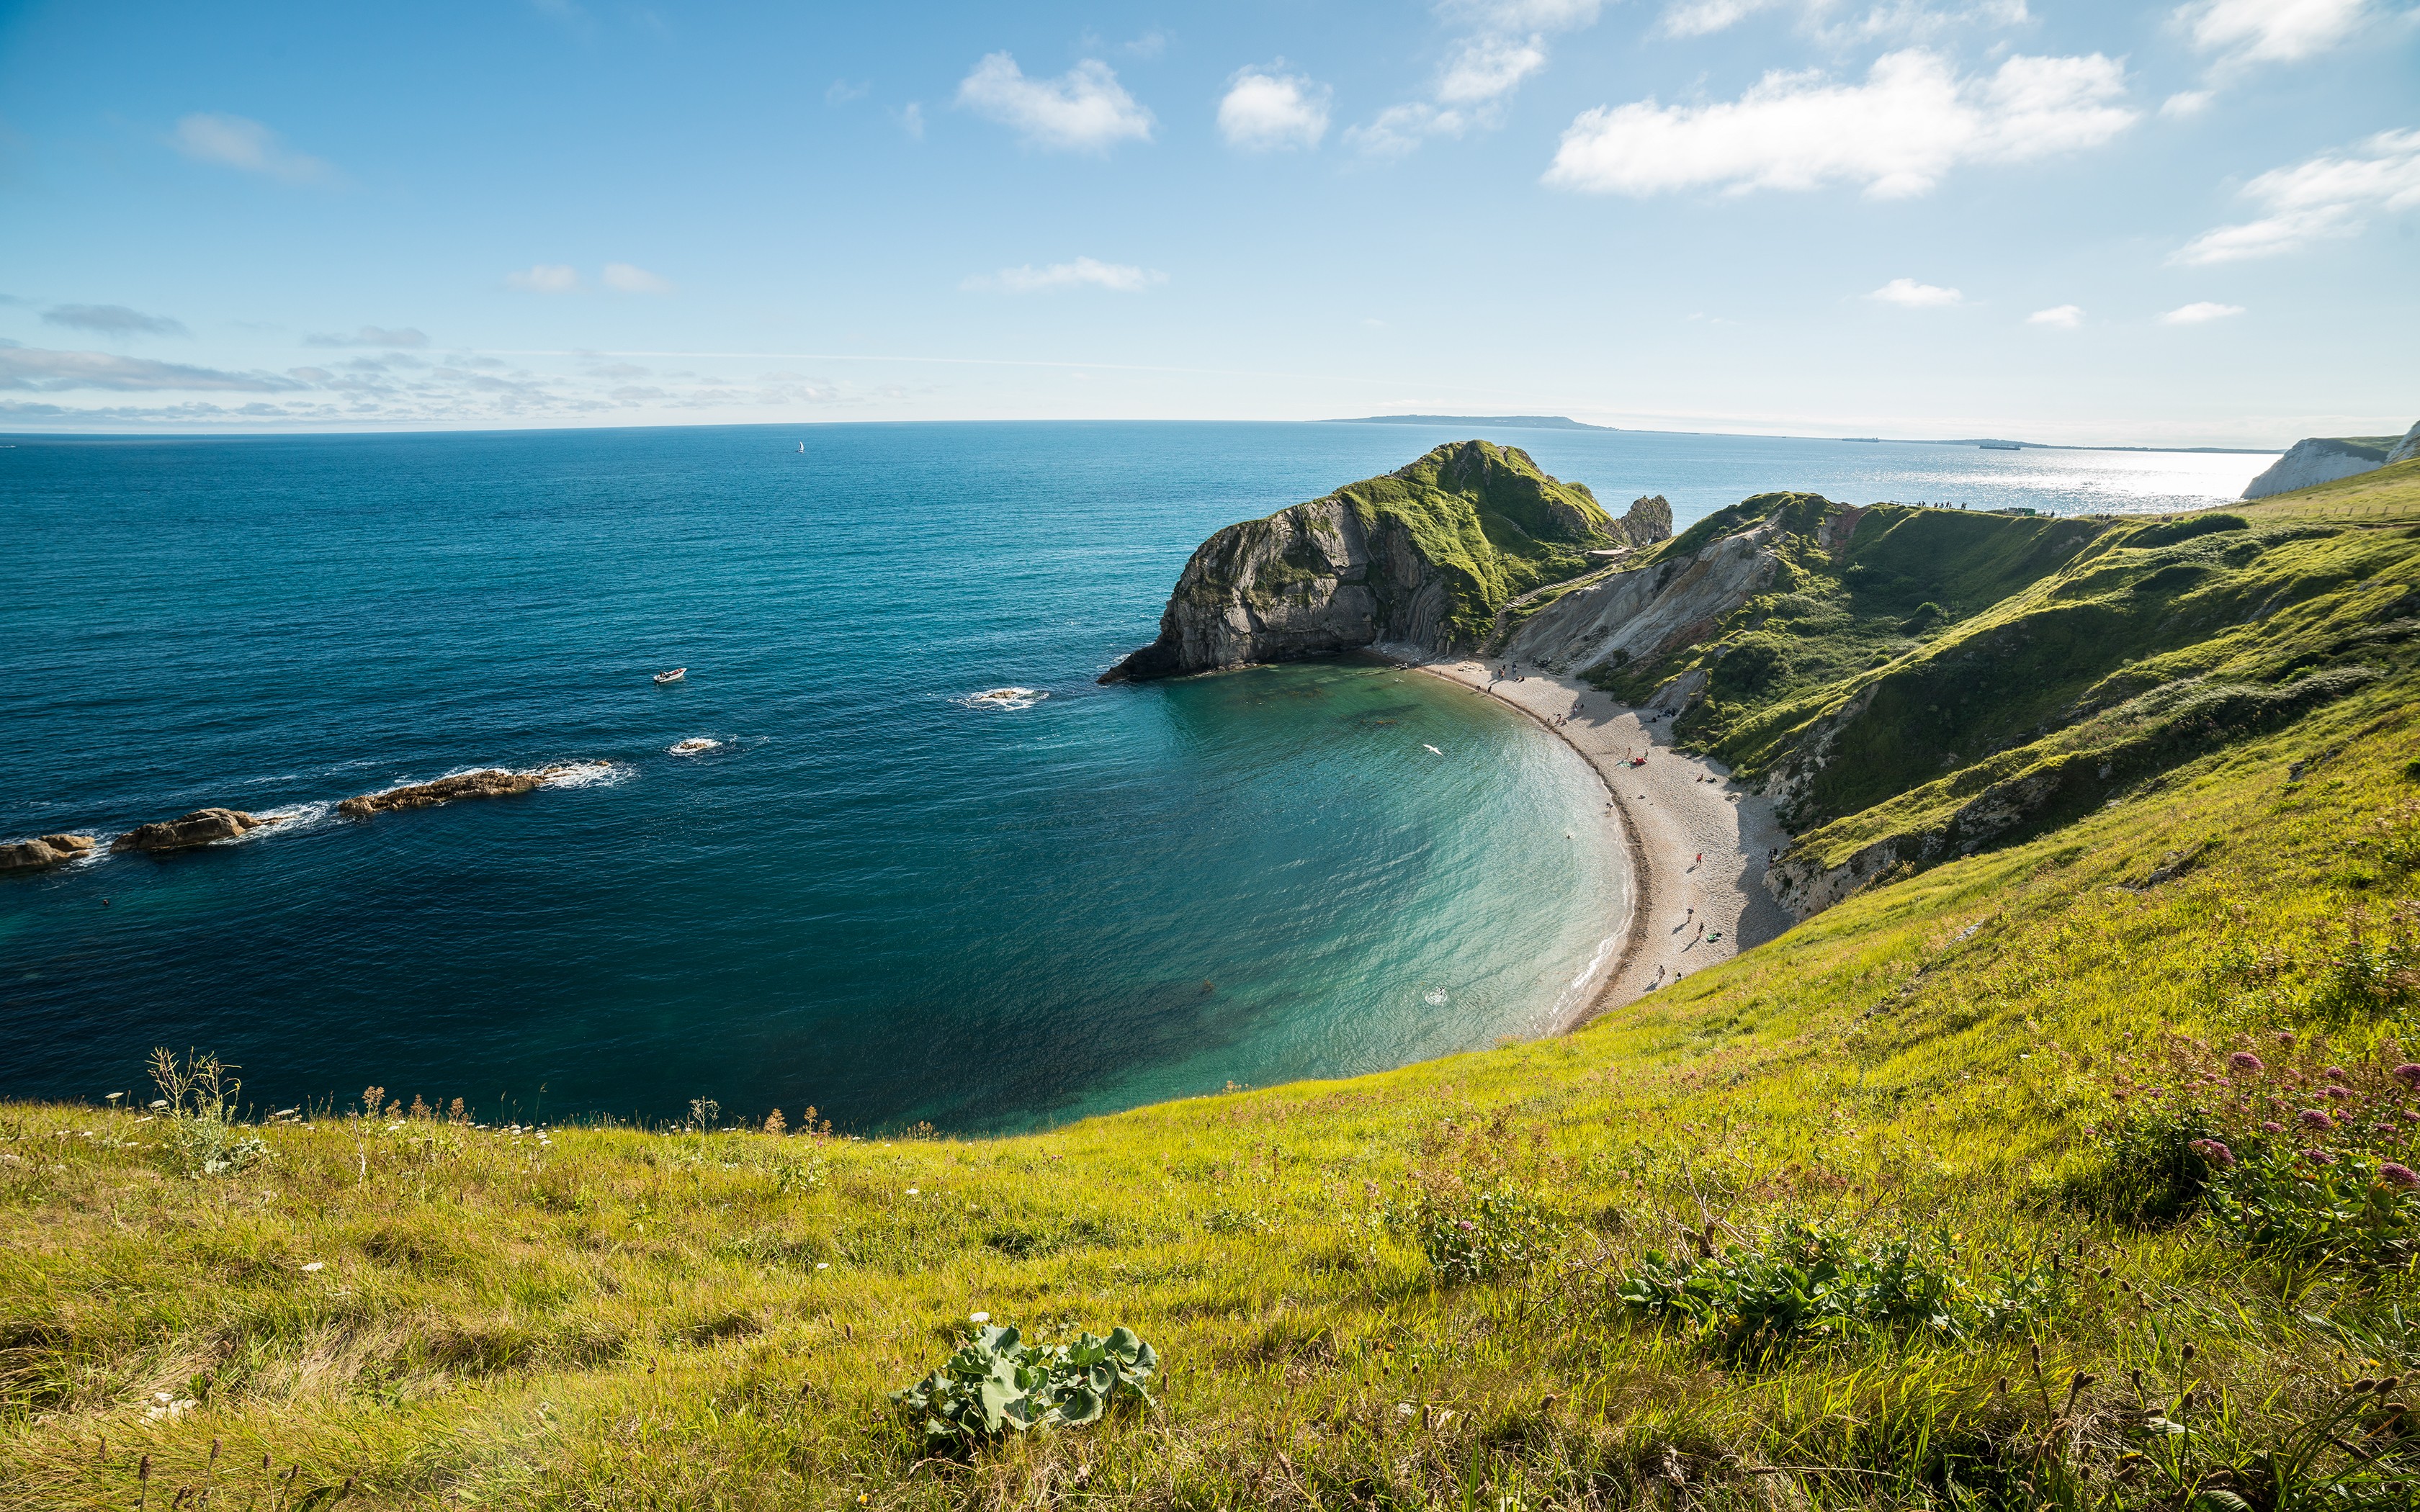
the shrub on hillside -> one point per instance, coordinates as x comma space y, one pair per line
197, 1103
1485, 1235
1803, 1286
997, 1384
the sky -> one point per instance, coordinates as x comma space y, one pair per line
2076, 221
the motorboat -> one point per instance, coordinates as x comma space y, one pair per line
673, 676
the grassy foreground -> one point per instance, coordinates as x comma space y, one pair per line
1952, 1196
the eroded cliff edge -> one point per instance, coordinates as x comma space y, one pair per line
1422, 556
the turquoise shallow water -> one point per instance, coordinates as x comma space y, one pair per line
872, 896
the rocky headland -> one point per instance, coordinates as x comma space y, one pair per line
1422, 558
48, 850
203, 827
2325, 458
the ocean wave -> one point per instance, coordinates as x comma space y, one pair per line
1575, 995
593, 774
1002, 698
292, 819
693, 745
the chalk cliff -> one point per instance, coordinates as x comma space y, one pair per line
2326, 459
1421, 557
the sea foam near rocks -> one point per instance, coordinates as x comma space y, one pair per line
1003, 698
693, 745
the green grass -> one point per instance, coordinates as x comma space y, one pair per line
1952, 1070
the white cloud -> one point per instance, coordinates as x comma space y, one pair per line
43, 371
546, 278
2326, 197
1897, 134
1265, 109
911, 120
844, 90
370, 336
234, 141
2272, 31
1703, 17
1084, 272
113, 320
1505, 43
1892, 19
629, 280
1916, 296
2187, 103
2066, 315
2201, 313
1083, 110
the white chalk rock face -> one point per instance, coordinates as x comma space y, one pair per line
2313, 461
2408, 448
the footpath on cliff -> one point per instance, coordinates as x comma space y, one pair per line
1699, 842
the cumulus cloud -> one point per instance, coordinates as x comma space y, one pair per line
1912, 122
2328, 196
2066, 315
546, 278
56, 372
1896, 19
2199, 313
400, 336
1265, 109
1083, 110
234, 141
1911, 295
1503, 42
627, 279
1084, 272
2272, 31
113, 320
2186, 103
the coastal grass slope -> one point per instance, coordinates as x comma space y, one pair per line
1959, 1195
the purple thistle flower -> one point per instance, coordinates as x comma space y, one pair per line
2214, 1152
2318, 1157
2314, 1119
2409, 1073
2285, 1037
2394, 1175
1463, 1224
2336, 1073
2245, 1060
2339, 1093
2407, 1115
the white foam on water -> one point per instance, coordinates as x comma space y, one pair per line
1437, 998
1002, 698
589, 774
292, 819
693, 745
1582, 987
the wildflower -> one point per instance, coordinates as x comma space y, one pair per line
1464, 1223
2408, 1073
2214, 1152
823, 1265
978, 1317
2398, 1175
2336, 1073
316, 1265
2337, 1094
2314, 1119
2245, 1060
2285, 1037
2271, 1126
2318, 1157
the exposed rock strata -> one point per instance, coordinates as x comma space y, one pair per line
49, 850
2408, 448
1643, 613
203, 827
2324, 459
1420, 558
493, 783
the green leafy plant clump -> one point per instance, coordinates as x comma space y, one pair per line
996, 1384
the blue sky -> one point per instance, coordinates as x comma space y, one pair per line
2159, 223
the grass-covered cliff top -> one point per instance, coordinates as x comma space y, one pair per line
1492, 519
1961, 1195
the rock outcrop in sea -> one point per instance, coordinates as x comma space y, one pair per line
1420, 558
491, 783
2326, 459
203, 827
49, 850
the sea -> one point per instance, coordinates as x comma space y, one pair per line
927, 872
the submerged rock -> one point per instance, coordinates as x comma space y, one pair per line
1420, 558
203, 827
493, 783
49, 850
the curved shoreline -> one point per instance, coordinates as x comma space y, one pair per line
1674, 811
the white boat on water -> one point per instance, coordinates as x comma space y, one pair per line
673, 676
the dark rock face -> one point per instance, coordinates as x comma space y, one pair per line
203, 827
49, 850
1420, 559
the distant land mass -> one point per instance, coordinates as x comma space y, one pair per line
1533, 422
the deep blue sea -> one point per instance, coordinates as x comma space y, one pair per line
876, 893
